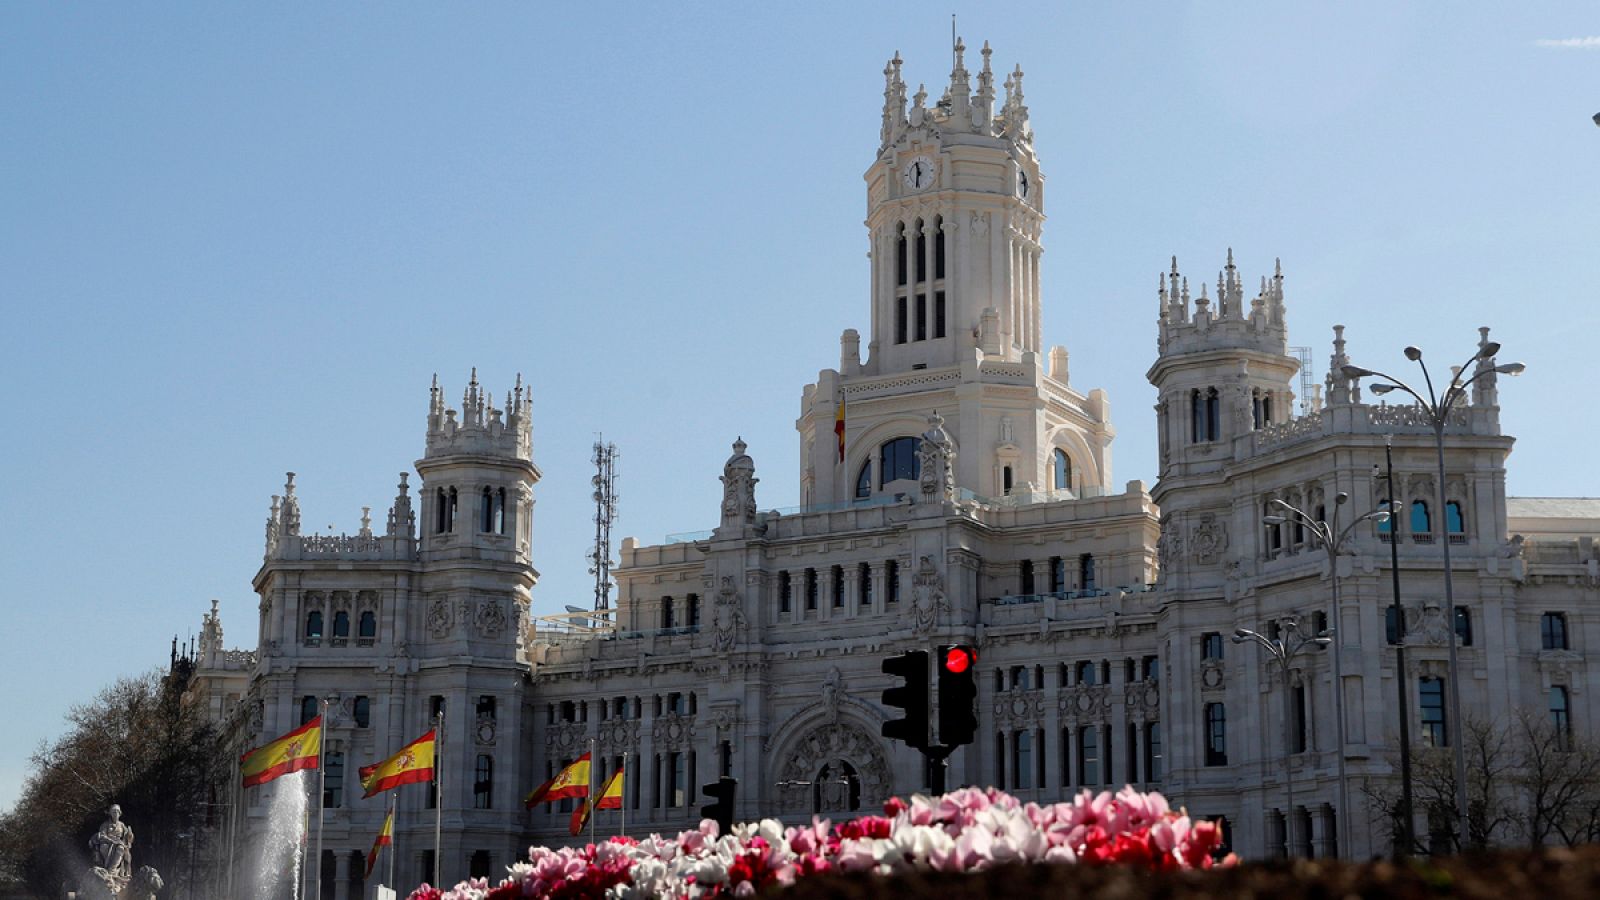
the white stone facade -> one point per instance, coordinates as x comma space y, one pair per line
972, 502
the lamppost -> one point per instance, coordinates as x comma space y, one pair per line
1435, 409
1284, 650
1332, 539
1407, 839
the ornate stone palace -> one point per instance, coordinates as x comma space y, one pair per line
969, 500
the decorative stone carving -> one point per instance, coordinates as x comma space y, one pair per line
936, 455
727, 618
1019, 709
831, 688
566, 736
739, 487
1213, 677
620, 734
1169, 547
1085, 702
1143, 700
724, 718
673, 732
111, 850
928, 599
485, 730
439, 620
1209, 540
828, 745
491, 618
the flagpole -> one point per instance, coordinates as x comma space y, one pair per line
593, 801
322, 786
624, 807
438, 792
234, 790
394, 834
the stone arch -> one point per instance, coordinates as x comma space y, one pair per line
1085, 465
863, 447
814, 740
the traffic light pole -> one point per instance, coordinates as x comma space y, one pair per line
938, 758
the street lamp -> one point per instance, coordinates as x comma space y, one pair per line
1436, 408
1284, 650
1332, 539
1407, 838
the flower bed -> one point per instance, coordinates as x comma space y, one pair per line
968, 830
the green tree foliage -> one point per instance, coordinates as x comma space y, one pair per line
137, 744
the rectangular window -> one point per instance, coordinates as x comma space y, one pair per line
891, 581
1088, 755
483, 783
1000, 760
922, 317
785, 592
1086, 578
1211, 645
1058, 575
333, 787
900, 319
1393, 626
675, 780
692, 605
1216, 735
1022, 760
1298, 701
1463, 626
811, 589
864, 586
900, 257
1085, 673
1066, 757
1430, 692
1152, 668
486, 707
1026, 586
838, 587
938, 314
939, 239
1108, 755
922, 255
1561, 716
1553, 631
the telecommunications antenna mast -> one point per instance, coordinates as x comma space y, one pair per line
605, 512
1307, 382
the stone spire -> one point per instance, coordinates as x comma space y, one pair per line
1340, 390
983, 110
894, 102
402, 521
960, 91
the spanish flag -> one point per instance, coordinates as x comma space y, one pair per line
838, 427
413, 764
610, 798
299, 749
573, 781
385, 839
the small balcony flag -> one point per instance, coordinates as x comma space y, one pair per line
572, 781
413, 764
299, 749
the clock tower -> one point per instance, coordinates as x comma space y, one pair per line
955, 208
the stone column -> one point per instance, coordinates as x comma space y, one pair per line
341, 875
951, 239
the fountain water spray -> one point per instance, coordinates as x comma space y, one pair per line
283, 852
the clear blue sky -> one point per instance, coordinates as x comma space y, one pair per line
240, 239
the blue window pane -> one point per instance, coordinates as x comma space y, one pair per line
1420, 521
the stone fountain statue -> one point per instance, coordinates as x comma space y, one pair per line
111, 875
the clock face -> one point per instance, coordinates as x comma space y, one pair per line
1023, 184
918, 173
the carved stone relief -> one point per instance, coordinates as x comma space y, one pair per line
1209, 540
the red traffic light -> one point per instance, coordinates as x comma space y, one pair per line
959, 659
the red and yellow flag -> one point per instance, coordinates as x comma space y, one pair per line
610, 798
838, 426
385, 839
299, 749
573, 781
413, 764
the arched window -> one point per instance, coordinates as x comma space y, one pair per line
921, 261
1421, 522
900, 258
1454, 522
1063, 470
368, 627
450, 506
938, 247
363, 712
314, 624
1266, 408
486, 511
341, 624
1256, 419
1197, 417
897, 461
1213, 414
864, 481
441, 512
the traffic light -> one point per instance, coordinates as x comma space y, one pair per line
720, 809
958, 689
912, 697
